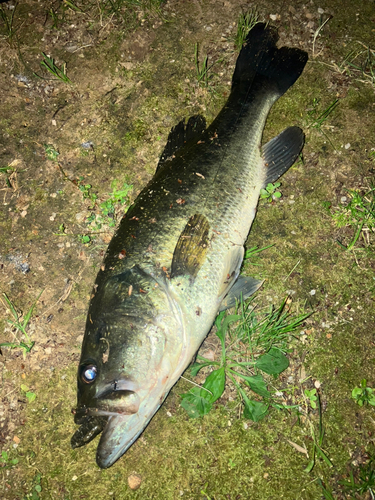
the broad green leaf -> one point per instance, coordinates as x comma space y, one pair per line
223, 324
24, 388
253, 410
273, 362
195, 367
255, 382
215, 383
356, 392
258, 385
30, 396
194, 404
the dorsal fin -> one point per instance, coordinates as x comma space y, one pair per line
180, 135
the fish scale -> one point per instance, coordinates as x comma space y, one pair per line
175, 259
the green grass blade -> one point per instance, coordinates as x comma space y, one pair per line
11, 307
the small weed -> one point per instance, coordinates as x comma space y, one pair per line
56, 19
359, 213
84, 238
6, 171
51, 152
317, 438
312, 397
128, 10
254, 251
8, 21
270, 193
61, 230
71, 5
20, 324
31, 396
364, 483
202, 71
108, 208
317, 117
326, 492
206, 496
49, 64
57, 14
6, 461
364, 395
245, 23
117, 197
36, 489
359, 63
253, 348
86, 191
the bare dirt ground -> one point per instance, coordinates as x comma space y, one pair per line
66, 149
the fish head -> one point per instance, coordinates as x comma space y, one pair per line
131, 357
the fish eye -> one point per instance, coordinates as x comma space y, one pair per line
89, 373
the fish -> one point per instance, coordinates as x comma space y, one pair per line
175, 258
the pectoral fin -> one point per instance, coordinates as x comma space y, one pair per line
191, 248
281, 152
232, 265
241, 290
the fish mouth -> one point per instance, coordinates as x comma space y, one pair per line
93, 419
120, 432
120, 429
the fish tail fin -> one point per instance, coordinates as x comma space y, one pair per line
262, 64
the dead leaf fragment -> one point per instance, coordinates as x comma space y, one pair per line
297, 447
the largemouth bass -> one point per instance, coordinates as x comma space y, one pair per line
175, 258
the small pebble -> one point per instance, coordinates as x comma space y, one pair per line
134, 481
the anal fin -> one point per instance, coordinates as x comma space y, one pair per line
281, 152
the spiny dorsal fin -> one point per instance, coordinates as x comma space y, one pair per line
191, 248
281, 152
180, 135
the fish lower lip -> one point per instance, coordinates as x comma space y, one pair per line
118, 435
